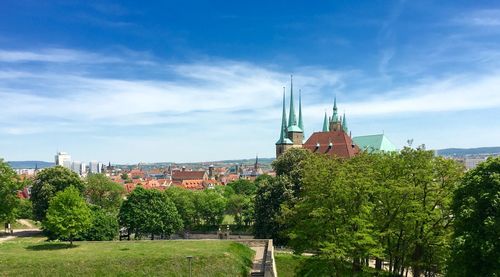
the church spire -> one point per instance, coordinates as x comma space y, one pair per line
292, 119
301, 123
344, 124
335, 118
325, 124
283, 137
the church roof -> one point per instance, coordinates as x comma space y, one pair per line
333, 143
375, 143
188, 175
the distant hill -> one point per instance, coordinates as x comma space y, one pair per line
29, 164
468, 151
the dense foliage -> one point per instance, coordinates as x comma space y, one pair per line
103, 226
103, 192
149, 212
391, 207
9, 185
68, 215
47, 183
476, 238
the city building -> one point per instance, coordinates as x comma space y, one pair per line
94, 167
374, 143
333, 140
63, 159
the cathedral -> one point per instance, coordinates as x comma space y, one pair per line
333, 140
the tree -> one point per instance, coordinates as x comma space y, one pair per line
149, 212
243, 187
184, 202
211, 206
9, 185
101, 191
47, 183
476, 210
104, 225
241, 207
68, 214
290, 165
333, 213
272, 195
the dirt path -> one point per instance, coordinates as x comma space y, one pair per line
21, 233
27, 223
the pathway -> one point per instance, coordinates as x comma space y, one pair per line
21, 233
258, 261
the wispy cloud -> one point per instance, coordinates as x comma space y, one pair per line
484, 17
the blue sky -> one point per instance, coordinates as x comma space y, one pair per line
131, 81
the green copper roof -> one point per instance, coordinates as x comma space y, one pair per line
374, 143
301, 123
292, 119
293, 128
344, 124
283, 138
325, 124
335, 117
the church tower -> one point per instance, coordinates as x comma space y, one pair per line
283, 143
294, 131
335, 122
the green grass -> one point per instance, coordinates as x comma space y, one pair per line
287, 263
34, 257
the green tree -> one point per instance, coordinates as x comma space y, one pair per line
9, 184
290, 165
211, 206
47, 183
241, 207
184, 202
476, 210
149, 212
67, 215
104, 225
101, 191
25, 209
272, 195
243, 187
333, 214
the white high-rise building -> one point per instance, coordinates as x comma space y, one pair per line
76, 167
83, 169
63, 159
94, 167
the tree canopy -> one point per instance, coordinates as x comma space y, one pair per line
47, 183
476, 209
9, 184
67, 215
149, 212
101, 191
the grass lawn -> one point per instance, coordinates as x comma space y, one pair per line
35, 257
287, 263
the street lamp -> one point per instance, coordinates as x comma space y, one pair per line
190, 258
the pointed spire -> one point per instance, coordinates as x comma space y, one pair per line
335, 115
292, 120
283, 137
344, 124
325, 124
301, 123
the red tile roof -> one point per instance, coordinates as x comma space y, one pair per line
342, 144
188, 175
